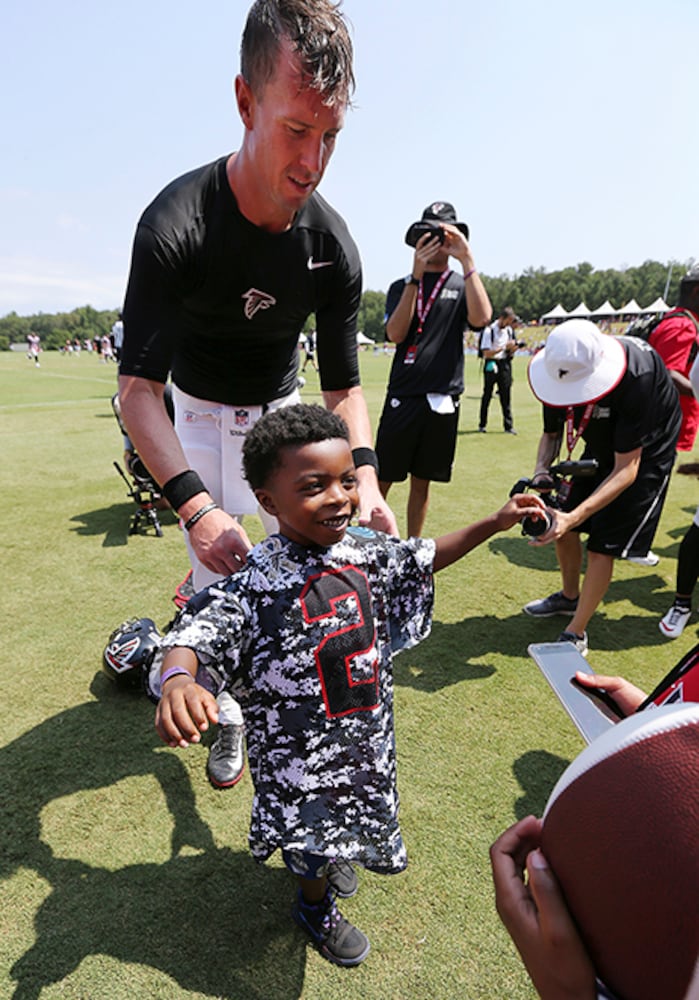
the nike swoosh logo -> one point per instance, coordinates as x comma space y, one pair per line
313, 265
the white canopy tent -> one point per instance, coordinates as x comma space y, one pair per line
631, 307
580, 310
659, 306
558, 312
363, 339
606, 309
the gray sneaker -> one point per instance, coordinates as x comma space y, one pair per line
579, 641
554, 604
226, 762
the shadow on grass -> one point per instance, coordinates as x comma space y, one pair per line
180, 916
115, 523
464, 651
537, 771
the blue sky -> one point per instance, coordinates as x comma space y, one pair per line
556, 129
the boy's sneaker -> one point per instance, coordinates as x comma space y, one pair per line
336, 939
226, 762
579, 641
672, 625
342, 878
554, 604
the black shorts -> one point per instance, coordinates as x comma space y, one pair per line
625, 527
413, 439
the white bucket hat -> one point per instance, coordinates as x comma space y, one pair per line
578, 364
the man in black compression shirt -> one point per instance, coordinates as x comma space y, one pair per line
228, 262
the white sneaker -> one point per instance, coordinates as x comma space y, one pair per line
649, 559
672, 625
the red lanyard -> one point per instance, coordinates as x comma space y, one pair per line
423, 313
573, 436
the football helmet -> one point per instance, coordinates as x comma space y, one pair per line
130, 650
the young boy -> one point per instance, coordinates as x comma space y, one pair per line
304, 636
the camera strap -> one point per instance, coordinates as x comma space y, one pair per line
573, 436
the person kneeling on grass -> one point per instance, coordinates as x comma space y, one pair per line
304, 635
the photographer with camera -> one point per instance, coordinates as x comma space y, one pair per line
426, 316
498, 345
614, 393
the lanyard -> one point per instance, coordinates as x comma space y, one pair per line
573, 436
423, 312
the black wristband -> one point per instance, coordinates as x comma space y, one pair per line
365, 456
199, 514
412, 280
182, 488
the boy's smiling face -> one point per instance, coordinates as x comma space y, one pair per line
313, 493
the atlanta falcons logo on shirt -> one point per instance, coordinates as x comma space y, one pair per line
255, 300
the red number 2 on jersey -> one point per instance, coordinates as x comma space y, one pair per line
342, 692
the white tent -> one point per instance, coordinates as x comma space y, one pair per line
606, 309
631, 307
363, 339
558, 312
580, 310
659, 306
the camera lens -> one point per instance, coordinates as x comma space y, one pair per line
535, 526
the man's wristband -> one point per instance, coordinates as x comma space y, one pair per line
182, 488
469, 273
365, 456
174, 672
199, 514
412, 280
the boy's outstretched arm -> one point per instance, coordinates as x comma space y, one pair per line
185, 708
455, 545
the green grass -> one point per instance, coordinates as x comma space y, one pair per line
124, 874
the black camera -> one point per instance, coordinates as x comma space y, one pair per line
419, 229
556, 489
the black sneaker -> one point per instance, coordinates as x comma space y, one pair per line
226, 762
579, 641
342, 878
336, 939
554, 604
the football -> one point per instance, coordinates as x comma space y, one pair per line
621, 833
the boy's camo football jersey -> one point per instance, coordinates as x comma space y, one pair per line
304, 638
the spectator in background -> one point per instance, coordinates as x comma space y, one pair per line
614, 393
676, 339
498, 345
118, 337
426, 316
33, 349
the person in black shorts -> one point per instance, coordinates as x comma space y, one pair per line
228, 262
616, 394
426, 315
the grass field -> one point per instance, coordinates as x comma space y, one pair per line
124, 873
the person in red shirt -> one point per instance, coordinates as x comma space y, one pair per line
675, 338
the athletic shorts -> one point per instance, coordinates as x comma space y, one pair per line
413, 439
212, 435
625, 527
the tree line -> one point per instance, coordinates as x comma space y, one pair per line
531, 294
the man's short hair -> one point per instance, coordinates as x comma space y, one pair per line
508, 313
318, 32
290, 426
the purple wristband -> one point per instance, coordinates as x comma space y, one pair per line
469, 273
173, 672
